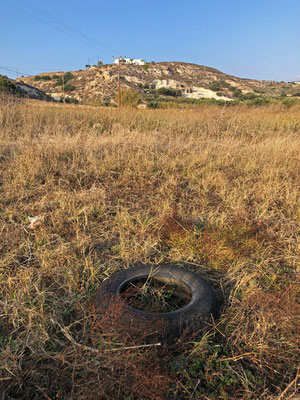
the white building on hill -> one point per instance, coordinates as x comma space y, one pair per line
130, 61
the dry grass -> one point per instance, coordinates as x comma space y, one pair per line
214, 189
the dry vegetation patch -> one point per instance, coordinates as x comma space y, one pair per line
216, 190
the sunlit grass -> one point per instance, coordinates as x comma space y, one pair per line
214, 189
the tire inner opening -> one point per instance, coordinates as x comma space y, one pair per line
156, 294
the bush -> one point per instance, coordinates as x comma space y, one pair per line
6, 85
169, 92
259, 101
106, 103
129, 97
215, 86
71, 100
153, 104
249, 96
237, 93
290, 102
67, 77
42, 78
224, 84
69, 87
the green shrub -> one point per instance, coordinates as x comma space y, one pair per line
106, 103
59, 78
71, 100
68, 76
215, 86
224, 84
169, 92
153, 104
69, 87
259, 101
237, 93
219, 94
288, 102
42, 78
249, 96
6, 85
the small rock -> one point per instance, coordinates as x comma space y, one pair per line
35, 221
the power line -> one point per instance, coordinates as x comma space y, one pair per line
64, 24
53, 26
82, 39
40, 19
14, 71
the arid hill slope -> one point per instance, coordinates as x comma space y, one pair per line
99, 83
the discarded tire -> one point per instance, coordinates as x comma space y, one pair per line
192, 318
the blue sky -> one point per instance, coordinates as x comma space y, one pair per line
247, 38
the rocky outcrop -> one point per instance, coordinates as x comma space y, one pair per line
31, 92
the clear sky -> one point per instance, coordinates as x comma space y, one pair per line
247, 38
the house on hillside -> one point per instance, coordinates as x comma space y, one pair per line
171, 83
132, 61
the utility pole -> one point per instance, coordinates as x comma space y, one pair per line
63, 88
119, 84
17, 72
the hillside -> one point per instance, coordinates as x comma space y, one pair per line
22, 89
99, 83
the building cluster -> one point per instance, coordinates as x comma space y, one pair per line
170, 83
132, 61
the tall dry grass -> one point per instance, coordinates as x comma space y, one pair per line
215, 189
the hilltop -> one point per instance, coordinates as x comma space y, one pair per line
99, 83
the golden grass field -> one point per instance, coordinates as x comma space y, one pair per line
213, 189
